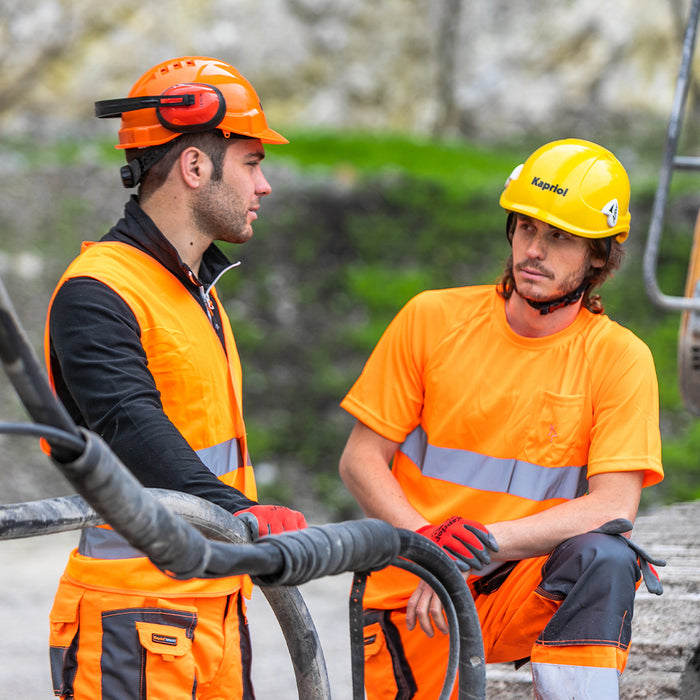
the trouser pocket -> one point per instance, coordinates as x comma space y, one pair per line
63, 639
147, 654
387, 673
169, 668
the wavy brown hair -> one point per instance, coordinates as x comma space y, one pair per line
595, 276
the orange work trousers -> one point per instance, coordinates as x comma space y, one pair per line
572, 608
116, 646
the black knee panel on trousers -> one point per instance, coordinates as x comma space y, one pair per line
595, 577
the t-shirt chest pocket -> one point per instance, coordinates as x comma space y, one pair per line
558, 433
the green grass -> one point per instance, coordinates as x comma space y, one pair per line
456, 165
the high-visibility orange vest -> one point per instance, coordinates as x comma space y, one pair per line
200, 387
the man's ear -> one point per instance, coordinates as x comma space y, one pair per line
194, 165
599, 261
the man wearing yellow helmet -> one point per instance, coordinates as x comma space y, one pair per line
140, 350
515, 426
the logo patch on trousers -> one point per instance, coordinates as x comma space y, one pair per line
164, 639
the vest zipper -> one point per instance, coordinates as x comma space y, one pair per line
204, 291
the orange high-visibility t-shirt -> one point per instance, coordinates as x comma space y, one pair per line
495, 426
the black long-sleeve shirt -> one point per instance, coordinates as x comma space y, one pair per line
101, 374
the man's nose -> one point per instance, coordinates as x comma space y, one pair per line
263, 187
536, 247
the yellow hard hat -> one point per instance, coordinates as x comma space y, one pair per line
574, 185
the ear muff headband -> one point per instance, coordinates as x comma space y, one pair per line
183, 108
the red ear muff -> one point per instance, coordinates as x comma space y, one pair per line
204, 112
183, 108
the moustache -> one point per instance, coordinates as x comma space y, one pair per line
535, 267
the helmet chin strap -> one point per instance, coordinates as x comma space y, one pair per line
132, 173
546, 307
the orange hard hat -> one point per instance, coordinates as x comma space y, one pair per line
185, 95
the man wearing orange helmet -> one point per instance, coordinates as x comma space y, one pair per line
140, 350
515, 425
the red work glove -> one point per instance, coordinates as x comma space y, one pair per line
271, 520
466, 541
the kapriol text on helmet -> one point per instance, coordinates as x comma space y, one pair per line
546, 186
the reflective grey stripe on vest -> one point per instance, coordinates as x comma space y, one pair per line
100, 543
484, 473
222, 458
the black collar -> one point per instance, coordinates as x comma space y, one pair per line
138, 229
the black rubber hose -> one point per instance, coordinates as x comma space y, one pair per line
472, 663
302, 641
452, 622
115, 493
331, 549
288, 559
357, 657
45, 517
28, 377
56, 436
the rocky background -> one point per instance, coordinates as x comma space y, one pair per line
477, 68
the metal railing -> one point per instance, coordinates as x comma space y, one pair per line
670, 163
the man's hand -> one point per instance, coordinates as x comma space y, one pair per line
466, 541
271, 520
425, 608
